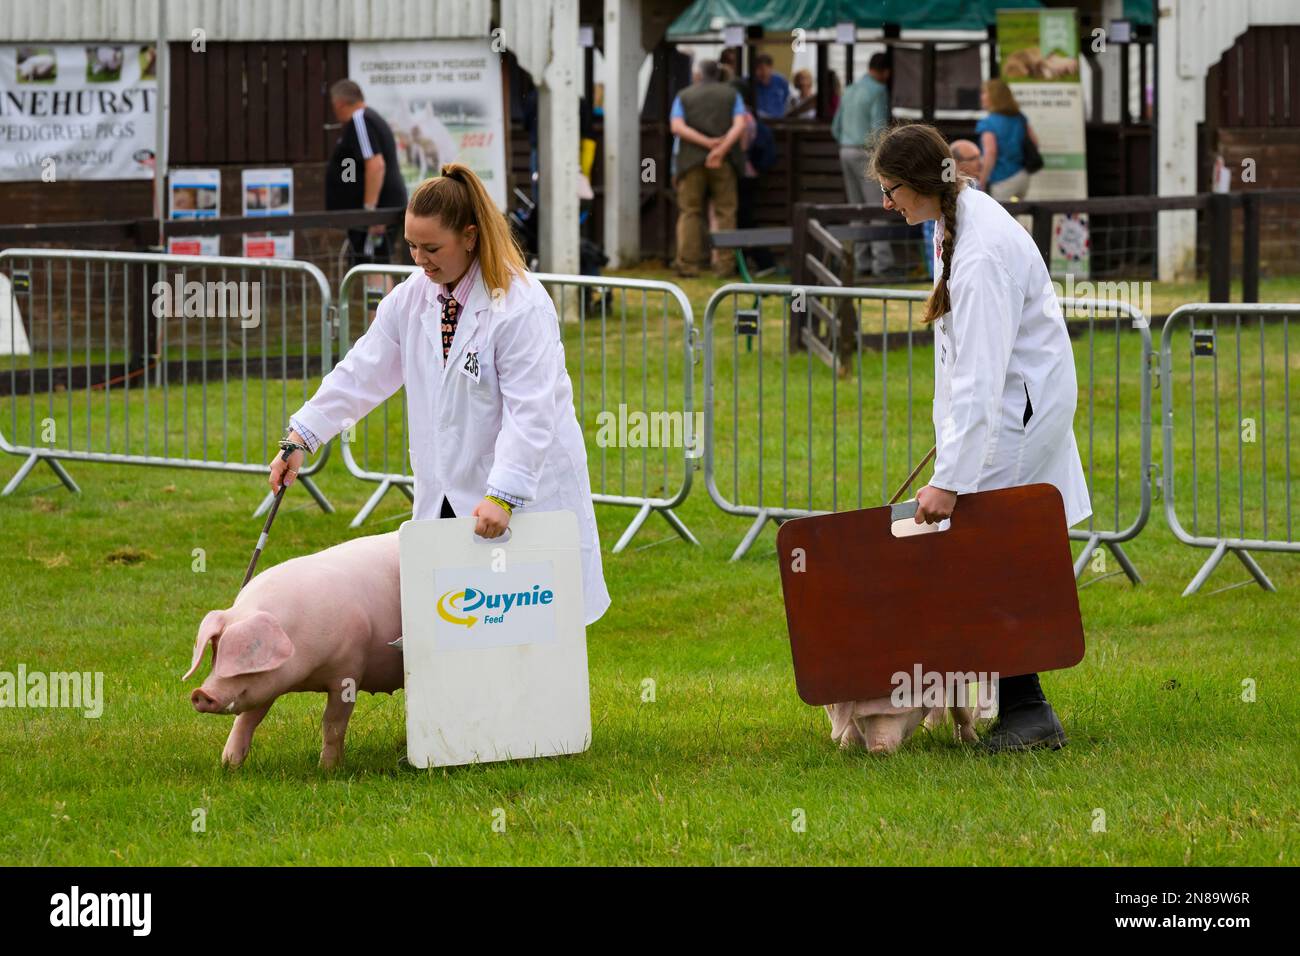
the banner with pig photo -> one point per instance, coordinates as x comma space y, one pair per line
77, 111
442, 100
1038, 57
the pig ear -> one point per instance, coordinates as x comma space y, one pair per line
209, 631
253, 645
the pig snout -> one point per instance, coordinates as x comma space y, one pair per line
205, 703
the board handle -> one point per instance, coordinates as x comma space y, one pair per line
904, 509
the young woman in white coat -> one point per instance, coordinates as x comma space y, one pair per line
476, 342
1005, 386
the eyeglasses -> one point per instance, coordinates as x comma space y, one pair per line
889, 193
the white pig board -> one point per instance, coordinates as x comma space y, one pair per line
493, 640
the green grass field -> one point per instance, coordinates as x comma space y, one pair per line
1167, 763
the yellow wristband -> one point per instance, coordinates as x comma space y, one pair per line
501, 502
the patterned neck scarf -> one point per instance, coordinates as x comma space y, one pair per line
450, 315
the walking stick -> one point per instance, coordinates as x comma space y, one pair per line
287, 448
912, 477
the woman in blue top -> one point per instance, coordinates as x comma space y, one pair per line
1002, 138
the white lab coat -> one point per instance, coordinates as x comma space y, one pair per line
514, 428
1001, 353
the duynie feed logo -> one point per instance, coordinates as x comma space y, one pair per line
459, 606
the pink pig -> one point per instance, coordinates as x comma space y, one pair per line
879, 724
323, 622
881, 727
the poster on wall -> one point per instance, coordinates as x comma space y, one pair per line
1038, 57
442, 100
267, 192
194, 194
77, 111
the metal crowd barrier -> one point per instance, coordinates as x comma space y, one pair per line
626, 341
153, 359
812, 423
1234, 411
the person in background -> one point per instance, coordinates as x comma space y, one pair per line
1002, 137
728, 76
863, 115
758, 147
771, 91
968, 163
707, 120
729, 69
836, 91
363, 172
803, 98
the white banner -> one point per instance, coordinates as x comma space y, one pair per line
442, 100
1038, 53
77, 111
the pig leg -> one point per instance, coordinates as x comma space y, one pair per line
241, 736
843, 729
963, 724
333, 728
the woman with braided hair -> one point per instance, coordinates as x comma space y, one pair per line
1005, 387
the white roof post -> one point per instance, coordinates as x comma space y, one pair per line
558, 142
1180, 107
623, 57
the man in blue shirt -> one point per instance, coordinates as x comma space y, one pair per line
864, 110
707, 120
771, 91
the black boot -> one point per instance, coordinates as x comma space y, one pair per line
1025, 719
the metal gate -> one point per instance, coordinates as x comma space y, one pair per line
152, 359
1227, 452
629, 346
836, 423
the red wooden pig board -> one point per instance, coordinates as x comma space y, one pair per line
995, 592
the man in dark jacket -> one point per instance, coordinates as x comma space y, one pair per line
707, 120
363, 172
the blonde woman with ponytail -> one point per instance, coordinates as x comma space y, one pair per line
476, 342
1005, 387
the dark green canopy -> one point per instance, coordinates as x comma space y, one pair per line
1139, 11
779, 16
